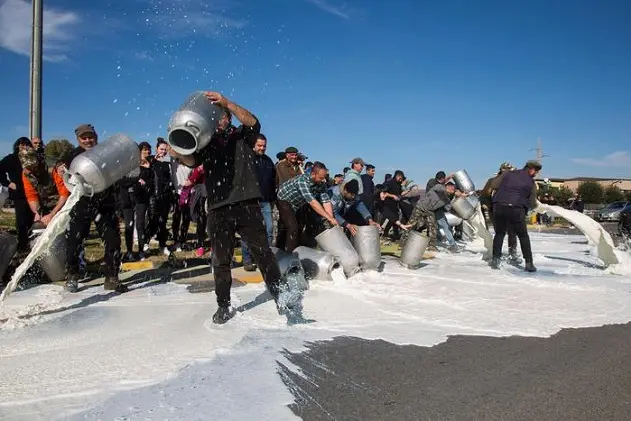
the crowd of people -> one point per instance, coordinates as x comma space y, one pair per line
232, 187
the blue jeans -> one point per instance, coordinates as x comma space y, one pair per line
266, 210
442, 223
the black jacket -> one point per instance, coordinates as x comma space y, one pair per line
11, 172
162, 182
266, 176
229, 166
368, 194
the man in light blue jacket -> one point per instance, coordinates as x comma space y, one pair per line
344, 199
357, 166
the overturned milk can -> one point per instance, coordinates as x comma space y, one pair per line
368, 247
317, 264
413, 249
8, 247
465, 207
463, 181
291, 269
192, 126
334, 241
106, 163
53, 261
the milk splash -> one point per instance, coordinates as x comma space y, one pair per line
596, 235
478, 224
57, 226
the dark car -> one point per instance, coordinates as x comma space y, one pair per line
624, 224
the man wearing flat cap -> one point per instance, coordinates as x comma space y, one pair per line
289, 167
514, 193
100, 209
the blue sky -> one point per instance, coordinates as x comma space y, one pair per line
416, 85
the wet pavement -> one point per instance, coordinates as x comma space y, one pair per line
577, 374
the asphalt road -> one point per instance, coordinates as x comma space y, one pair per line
577, 374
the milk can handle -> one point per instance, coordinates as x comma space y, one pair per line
87, 189
192, 126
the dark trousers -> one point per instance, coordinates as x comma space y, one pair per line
392, 215
181, 221
244, 218
158, 215
23, 221
511, 220
135, 218
202, 225
129, 216
512, 237
300, 227
106, 221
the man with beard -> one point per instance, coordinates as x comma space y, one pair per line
515, 193
304, 204
266, 176
368, 194
233, 205
100, 209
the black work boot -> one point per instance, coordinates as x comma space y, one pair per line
222, 315
72, 283
249, 267
495, 263
112, 283
530, 267
513, 257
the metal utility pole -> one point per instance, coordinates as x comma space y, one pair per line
35, 110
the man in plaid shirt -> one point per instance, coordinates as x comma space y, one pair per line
300, 201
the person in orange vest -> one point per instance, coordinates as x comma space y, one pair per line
45, 192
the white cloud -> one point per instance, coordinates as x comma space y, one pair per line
616, 159
327, 6
15, 29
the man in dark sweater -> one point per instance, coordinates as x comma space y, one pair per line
515, 193
11, 177
266, 176
100, 209
233, 205
368, 194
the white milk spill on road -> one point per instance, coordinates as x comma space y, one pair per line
57, 226
154, 354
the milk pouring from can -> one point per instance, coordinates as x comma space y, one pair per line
103, 165
192, 126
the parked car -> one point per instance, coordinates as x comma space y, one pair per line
611, 212
624, 224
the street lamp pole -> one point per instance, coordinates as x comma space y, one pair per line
35, 106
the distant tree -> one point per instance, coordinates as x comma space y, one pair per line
613, 194
627, 196
562, 195
57, 149
591, 191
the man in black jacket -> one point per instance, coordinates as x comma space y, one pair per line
233, 205
11, 177
266, 176
515, 193
368, 193
100, 208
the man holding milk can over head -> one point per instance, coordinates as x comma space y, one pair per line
233, 195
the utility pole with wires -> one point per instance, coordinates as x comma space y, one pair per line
539, 149
35, 103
